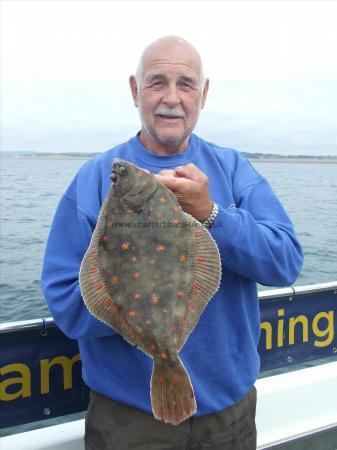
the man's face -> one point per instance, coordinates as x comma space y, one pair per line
169, 98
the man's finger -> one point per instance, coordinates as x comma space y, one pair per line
189, 171
168, 173
175, 184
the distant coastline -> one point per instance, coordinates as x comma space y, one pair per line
295, 160
254, 157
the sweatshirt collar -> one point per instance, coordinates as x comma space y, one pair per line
144, 155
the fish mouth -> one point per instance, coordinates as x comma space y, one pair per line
113, 176
118, 169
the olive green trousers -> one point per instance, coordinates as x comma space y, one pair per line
110, 425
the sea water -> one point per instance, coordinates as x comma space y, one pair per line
31, 190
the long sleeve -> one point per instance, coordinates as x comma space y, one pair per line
68, 240
256, 238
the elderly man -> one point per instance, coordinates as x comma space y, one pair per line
256, 241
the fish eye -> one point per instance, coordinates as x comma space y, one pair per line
122, 170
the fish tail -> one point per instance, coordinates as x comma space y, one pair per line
172, 395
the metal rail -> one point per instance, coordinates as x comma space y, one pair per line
299, 290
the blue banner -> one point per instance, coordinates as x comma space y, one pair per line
297, 328
40, 369
40, 376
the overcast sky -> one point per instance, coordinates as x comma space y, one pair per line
272, 69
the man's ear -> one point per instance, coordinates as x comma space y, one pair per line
134, 89
204, 93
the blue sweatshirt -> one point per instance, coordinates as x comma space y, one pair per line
257, 243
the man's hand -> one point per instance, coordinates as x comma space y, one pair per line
190, 186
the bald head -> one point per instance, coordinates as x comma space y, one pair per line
175, 46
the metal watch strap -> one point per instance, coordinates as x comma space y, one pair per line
211, 219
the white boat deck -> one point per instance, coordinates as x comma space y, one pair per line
289, 405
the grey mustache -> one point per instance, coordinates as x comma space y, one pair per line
169, 112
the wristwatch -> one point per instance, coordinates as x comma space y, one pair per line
211, 219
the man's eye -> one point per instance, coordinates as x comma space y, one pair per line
186, 86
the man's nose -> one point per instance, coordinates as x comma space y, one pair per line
171, 95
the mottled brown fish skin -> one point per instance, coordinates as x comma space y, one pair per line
149, 272
146, 254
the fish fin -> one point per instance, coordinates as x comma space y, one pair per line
94, 292
172, 395
206, 278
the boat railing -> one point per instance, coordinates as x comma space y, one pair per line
40, 373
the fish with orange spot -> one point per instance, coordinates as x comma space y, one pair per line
114, 279
154, 299
170, 305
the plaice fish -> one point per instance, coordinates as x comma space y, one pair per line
149, 272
